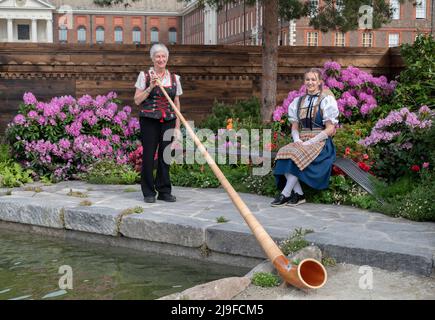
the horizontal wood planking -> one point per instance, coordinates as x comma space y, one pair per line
208, 73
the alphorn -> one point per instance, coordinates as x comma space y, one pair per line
308, 273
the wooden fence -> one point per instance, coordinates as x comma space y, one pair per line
208, 73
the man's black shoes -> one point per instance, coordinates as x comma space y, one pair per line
150, 199
166, 197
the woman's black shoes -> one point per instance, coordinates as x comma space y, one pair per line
166, 197
296, 199
280, 200
150, 199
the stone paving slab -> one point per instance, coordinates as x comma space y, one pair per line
345, 233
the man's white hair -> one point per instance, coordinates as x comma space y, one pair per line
158, 47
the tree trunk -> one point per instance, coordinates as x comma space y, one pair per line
270, 59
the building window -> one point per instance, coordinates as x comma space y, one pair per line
395, 6
312, 39
420, 9
118, 35
63, 34
339, 5
23, 32
172, 35
314, 5
393, 40
99, 35
136, 35
367, 39
154, 35
340, 39
81, 34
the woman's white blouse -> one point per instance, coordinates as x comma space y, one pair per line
328, 105
141, 84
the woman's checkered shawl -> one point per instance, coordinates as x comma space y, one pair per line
301, 155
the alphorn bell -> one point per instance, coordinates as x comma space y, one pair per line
308, 273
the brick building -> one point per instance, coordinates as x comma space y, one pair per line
82, 21
171, 21
240, 24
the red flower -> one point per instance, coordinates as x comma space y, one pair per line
336, 171
363, 166
365, 156
347, 151
415, 168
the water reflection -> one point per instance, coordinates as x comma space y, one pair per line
29, 269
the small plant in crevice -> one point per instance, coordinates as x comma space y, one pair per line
85, 203
76, 194
265, 279
221, 219
127, 211
295, 241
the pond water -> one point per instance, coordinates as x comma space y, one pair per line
31, 268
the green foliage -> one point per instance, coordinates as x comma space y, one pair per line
109, 172
11, 172
240, 176
295, 241
348, 135
265, 279
245, 114
416, 85
409, 197
342, 190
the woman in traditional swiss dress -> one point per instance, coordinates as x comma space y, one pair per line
310, 156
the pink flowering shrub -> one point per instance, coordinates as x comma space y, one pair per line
357, 92
401, 142
65, 136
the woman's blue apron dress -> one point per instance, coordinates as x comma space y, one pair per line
317, 173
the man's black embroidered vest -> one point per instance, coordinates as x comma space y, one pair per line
156, 106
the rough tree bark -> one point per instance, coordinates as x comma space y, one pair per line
270, 59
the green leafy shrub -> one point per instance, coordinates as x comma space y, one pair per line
109, 172
416, 85
265, 279
12, 173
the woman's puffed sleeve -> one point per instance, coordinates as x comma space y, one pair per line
179, 88
330, 110
140, 83
293, 110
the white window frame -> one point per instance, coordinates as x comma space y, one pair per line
154, 35
172, 31
81, 34
119, 34
395, 5
136, 35
99, 34
367, 39
312, 39
420, 9
393, 40
63, 34
340, 39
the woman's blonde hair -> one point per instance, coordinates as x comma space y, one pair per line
318, 72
